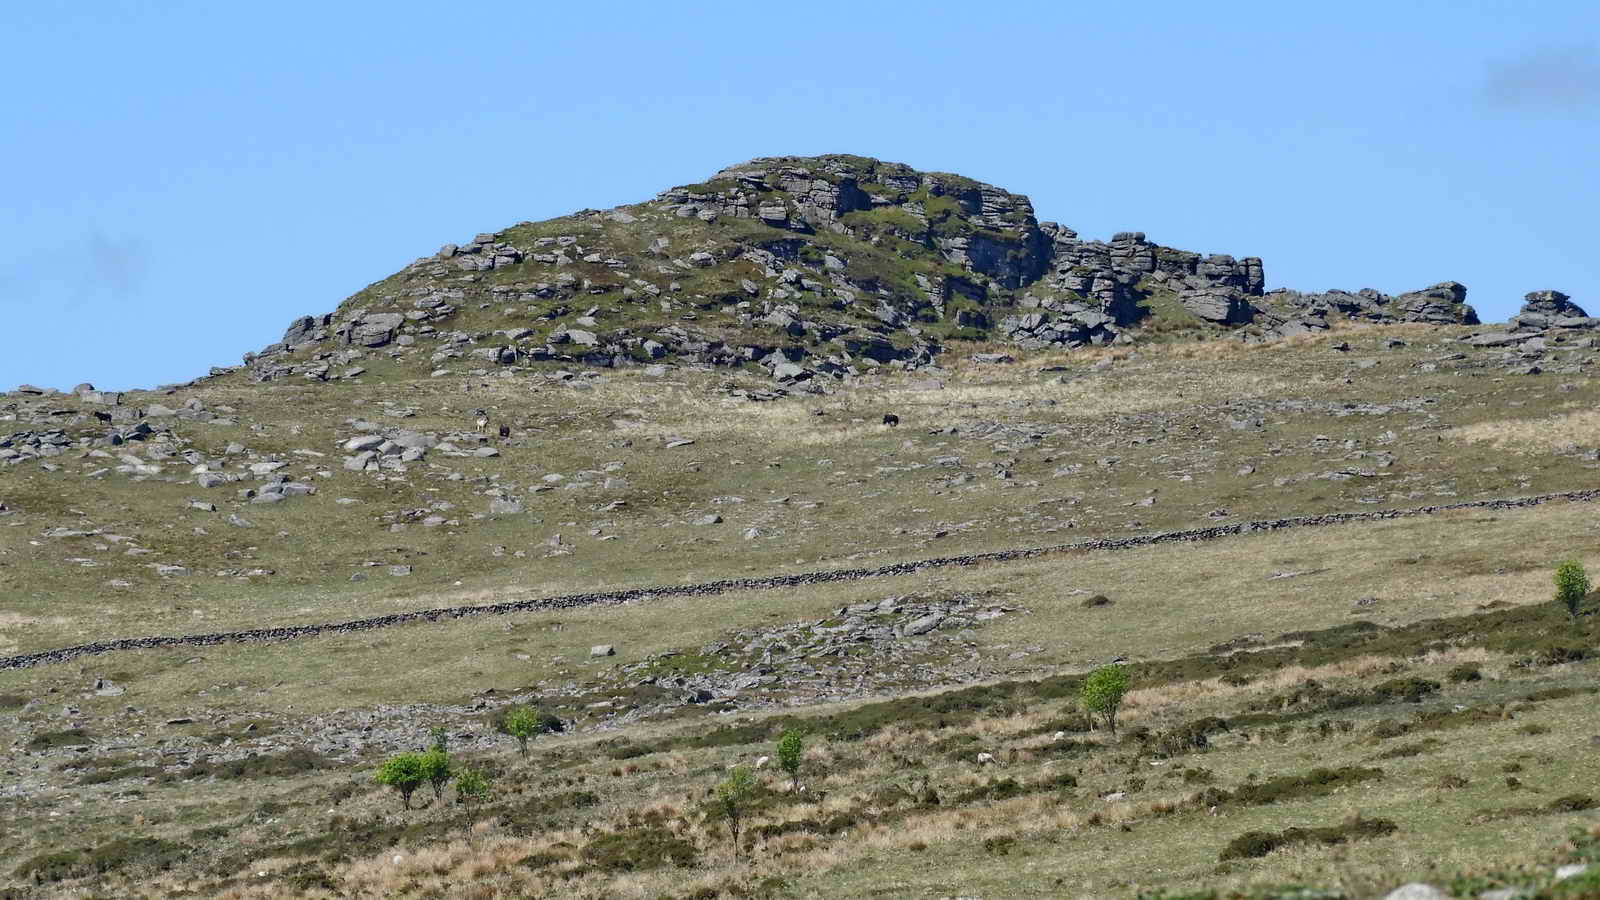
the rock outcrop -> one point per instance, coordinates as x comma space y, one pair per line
1440, 304
1550, 309
807, 268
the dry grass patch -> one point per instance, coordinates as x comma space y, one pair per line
1560, 433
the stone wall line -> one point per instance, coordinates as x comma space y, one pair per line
720, 586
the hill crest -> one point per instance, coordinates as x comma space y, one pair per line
805, 267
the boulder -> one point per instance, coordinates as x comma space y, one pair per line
363, 442
1416, 891
361, 461
415, 440
1552, 304
788, 371
1544, 309
1222, 307
1440, 304
1497, 339
375, 329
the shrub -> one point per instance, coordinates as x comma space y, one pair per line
790, 747
1571, 803
1318, 782
733, 795
1572, 584
1102, 693
472, 786
147, 852
999, 845
294, 761
436, 770
522, 723
1254, 844
1465, 672
1410, 690
405, 773
639, 849
70, 738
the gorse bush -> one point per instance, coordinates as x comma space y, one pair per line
1572, 585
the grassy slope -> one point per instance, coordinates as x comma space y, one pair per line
855, 490
1164, 413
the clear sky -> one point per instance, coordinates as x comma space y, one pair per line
182, 178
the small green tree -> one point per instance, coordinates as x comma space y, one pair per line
436, 769
441, 738
522, 723
1102, 693
790, 747
732, 796
1572, 585
472, 786
404, 773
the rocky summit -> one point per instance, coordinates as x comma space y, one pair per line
807, 267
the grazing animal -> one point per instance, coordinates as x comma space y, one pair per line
891, 420
987, 759
483, 420
505, 431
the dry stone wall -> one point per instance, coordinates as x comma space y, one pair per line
712, 588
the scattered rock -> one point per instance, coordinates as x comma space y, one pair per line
1416, 891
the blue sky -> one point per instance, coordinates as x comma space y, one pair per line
181, 179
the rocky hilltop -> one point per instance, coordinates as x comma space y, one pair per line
805, 267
